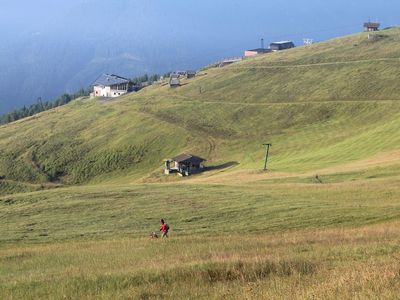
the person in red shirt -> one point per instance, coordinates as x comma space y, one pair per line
164, 228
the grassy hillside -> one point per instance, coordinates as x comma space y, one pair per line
81, 186
316, 115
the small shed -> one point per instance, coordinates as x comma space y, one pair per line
283, 45
371, 26
190, 74
184, 164
174, 80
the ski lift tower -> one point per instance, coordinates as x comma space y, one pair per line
267, 147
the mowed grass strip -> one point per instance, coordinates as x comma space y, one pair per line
327, 264
103, 212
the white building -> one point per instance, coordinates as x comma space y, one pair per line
111, 86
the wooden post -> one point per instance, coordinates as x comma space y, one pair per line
266, 155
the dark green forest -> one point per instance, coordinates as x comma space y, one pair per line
40, 105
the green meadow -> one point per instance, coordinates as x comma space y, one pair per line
82, 186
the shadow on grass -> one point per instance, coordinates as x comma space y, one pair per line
212, 272
222, 166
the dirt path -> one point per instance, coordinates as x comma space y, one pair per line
185, 99
235, 67
246, 175
32, 185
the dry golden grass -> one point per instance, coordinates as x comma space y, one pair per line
358, 263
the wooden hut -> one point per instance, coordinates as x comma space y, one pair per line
184, 164
190, 74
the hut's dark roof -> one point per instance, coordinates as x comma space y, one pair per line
110, 79
187, 158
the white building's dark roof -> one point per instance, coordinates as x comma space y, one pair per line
110, 79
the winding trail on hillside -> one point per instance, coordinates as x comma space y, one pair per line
212, 145
294, 102
292, 66
32, 185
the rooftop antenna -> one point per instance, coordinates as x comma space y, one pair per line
262, 43
267, 147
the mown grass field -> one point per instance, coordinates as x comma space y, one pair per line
134, 210
81, 186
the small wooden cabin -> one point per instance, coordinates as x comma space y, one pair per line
190, 74
184, 164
